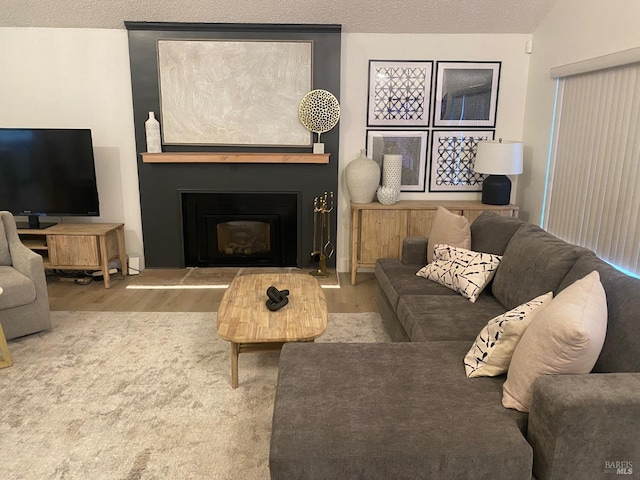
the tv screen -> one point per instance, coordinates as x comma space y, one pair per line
47, 172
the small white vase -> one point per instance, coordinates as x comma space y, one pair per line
392, 171
363, 177
152, 132
388, 196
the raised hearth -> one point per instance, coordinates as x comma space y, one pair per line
240, 229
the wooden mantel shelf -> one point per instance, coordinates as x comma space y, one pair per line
208, 157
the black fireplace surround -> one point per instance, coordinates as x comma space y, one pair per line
240, 229
163, 185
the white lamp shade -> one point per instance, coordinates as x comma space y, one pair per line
499, 158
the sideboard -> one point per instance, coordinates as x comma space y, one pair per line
377, 230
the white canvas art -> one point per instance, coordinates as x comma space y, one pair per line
216, 92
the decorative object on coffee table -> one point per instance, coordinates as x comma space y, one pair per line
244, 321
363, 177
319, 112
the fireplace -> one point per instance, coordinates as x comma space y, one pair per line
240, 229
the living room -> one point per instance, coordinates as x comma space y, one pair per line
70, 67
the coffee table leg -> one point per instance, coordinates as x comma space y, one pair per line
234, 365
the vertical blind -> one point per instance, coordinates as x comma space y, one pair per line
593, 192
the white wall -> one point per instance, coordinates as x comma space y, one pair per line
78, 78
358, 49
573, 30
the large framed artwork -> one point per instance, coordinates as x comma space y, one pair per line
233, 92
466, 94
399, 93
412, 145
452, 159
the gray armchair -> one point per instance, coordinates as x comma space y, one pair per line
24, 303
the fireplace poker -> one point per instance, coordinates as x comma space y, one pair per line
315, 254
329, 249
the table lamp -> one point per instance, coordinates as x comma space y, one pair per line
498, 159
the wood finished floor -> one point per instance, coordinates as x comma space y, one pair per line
68, 296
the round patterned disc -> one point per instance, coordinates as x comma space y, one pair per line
319, 111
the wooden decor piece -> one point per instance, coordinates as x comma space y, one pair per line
196, 157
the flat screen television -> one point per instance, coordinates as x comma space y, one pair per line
47, 172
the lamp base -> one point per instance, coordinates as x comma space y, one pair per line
496, 190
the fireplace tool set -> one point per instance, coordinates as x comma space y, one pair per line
322, 246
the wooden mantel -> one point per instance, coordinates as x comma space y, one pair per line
226, 157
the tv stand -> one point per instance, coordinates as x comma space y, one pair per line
34, 223
78, 246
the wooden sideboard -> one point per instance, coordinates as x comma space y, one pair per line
78, 246
377, 230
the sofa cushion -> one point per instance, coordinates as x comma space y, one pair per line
18, 289
566, 338
389, 410
534, 263
491, 232
396, 279
620, 350
428, 318
493, 348
448, 228
464, 271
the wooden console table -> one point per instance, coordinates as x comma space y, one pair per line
377, 230
78, 246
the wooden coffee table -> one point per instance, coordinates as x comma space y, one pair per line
245, 321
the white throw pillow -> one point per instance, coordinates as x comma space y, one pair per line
491, 352
463, 271
450, 229
566, 338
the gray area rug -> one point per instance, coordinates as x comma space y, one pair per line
118, 395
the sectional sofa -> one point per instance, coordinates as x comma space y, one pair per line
407, 410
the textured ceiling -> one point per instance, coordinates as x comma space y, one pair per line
361, 16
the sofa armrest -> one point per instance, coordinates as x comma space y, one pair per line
581, 426
414, 250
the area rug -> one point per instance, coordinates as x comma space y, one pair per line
118, 395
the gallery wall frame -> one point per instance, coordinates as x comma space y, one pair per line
399, 93
466, 94
412, 145
452, 159
233, 92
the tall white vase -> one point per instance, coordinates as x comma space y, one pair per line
363, 177
392, 171
152, 132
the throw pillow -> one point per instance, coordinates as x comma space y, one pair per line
450, 229
566, 338
463, 271
491, 352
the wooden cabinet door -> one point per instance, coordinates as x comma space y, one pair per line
70, 250
381, 234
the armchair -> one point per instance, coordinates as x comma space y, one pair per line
24, 303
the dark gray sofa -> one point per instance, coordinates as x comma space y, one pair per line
406, 410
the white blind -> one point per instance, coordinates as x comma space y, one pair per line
593, 193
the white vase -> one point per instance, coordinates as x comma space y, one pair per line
388, 196
363, 177
152, 132
392, 171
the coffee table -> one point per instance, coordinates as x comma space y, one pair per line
245, 321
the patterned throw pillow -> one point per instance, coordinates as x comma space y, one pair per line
491, 352
463, 271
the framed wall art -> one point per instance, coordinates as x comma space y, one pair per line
452, 160
233, 92
466, 94
412, 145
399, 93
